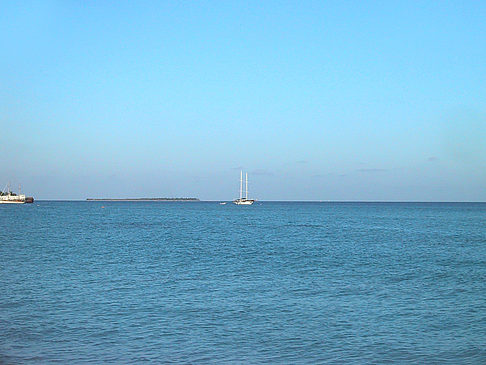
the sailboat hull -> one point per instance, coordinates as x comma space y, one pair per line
243, 201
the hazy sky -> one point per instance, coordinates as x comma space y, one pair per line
341, 100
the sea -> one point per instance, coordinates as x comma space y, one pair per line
271, 283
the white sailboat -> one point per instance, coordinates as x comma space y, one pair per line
245, 200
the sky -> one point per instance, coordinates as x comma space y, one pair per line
316, 100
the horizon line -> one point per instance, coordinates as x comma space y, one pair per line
266, 201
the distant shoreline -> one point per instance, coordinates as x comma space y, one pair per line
144, 199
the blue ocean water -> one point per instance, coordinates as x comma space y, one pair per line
269, 283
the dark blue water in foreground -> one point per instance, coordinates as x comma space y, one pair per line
270, 283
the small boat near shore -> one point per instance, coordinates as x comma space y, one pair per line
9, 197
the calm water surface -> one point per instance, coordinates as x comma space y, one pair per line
270, 283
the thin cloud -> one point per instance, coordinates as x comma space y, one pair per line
321, 176
262, 172
372, 170
433, 159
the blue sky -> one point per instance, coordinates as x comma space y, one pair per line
341, 100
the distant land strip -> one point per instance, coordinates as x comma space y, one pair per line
143, 199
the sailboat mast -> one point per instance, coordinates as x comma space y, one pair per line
241, 184
246, 195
